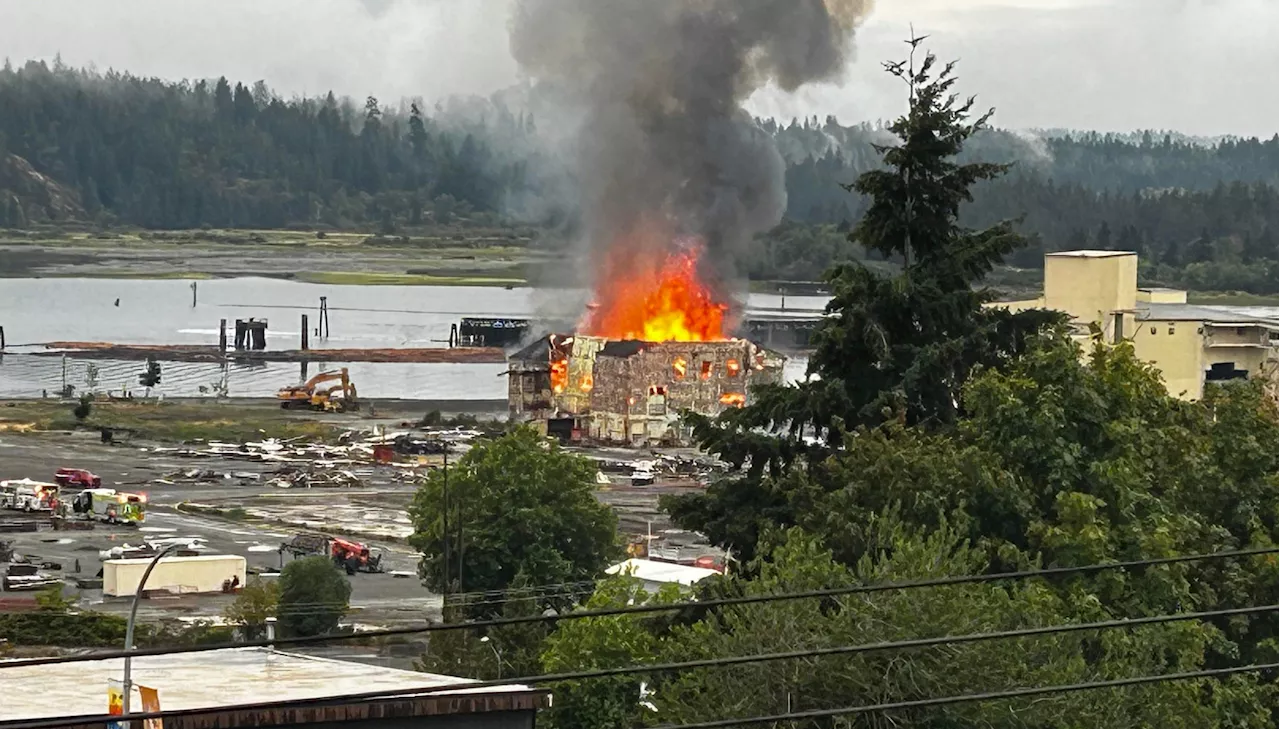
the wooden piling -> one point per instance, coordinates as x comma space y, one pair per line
222, 335
305, 331
322, 328
1, 337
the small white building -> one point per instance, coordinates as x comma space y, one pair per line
201, 573
653, 575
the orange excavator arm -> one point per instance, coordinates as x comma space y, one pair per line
308, 388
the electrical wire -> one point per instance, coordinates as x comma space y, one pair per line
649, 609
553, 678
969, 698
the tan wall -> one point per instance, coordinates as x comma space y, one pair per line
1176, 348
1253, 360
1162, 296
1253, 335
1088, 288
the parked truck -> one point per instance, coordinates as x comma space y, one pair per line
27, 495
111, 506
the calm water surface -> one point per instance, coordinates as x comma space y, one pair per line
38, 310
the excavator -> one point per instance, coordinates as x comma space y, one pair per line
335, 398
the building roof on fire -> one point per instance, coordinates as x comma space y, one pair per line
537, 351
622, 348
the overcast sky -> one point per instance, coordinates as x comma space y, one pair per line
1198, 66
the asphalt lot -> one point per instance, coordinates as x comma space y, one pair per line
373, 513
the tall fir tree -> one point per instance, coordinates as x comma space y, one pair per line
893, 346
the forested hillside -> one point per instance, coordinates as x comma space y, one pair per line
113, 149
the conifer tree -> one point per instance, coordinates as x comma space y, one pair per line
893, 346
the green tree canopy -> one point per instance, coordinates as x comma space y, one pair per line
258, 600
527, 516
314, 595
895, 345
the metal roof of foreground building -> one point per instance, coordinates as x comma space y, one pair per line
230, 685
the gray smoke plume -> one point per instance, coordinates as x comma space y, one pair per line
661, 85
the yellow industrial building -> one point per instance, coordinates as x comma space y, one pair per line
1189, 344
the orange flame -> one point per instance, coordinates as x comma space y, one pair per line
559, 375
736, 399
654, 298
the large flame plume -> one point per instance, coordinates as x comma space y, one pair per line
645, 293
655, 92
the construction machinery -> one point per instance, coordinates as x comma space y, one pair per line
336, 398
351, 556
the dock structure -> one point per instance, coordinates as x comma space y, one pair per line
211, 353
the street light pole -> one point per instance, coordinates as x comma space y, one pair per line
496, 654
133, 617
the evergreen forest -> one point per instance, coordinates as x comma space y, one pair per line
106, 149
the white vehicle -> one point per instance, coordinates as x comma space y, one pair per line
28, 495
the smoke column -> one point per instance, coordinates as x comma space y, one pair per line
664, 141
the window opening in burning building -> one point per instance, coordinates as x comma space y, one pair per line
732, 368
706, 369
678, 368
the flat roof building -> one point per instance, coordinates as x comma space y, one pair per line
229, 688
1189, 344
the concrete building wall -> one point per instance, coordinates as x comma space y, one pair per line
1176, 348
1099, 288
1162, 296
1091, 285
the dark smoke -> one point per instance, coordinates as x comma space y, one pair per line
661, 84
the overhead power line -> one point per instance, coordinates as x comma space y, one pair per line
553, 678
971, 698
649, 609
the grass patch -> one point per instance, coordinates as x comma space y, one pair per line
167, 421
351, 278
133, 275
1232, 298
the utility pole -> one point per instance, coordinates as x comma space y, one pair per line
445, 529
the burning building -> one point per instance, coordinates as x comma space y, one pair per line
631, 391
653, 346
671, 180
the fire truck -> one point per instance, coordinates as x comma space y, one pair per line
111, 506
28, 495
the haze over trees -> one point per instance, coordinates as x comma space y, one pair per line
113, 149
